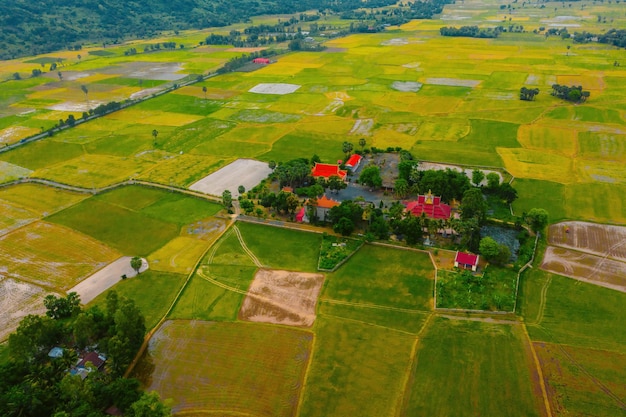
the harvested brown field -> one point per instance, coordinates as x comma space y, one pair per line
18, 299
598, 239
586, 267
282, 297
227, 369
589, 252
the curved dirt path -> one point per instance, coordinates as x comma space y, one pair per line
246, 249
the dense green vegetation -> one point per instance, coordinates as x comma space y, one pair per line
36, 384
35, 28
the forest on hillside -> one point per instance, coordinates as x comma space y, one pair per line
30, 28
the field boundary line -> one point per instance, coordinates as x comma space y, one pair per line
151, 333
305, 376
408, 377
195, 411
367, 323
406, 391
522, 269
542, 302
588, 374
542, 382
373, 306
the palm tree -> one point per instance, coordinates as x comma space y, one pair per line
84, 89
204, 91
155, 133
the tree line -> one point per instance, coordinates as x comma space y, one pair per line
471, 31
34, 384
615, 37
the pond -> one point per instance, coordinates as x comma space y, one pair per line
503, 236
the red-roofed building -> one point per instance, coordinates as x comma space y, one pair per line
95, 359
264, 61
328, 170
354, 161
429, 205
466, 261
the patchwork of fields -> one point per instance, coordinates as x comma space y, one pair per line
246, 324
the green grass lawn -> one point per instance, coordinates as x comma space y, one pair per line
152, 292
469, 368
384, 276
131, 197
411, 322
578, 314
42, 154
282, 248
181, 209
129, 232
357, 369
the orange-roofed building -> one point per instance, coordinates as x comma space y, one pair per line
323, 206
328, 170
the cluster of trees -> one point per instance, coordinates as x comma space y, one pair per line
528, 94
574, 93
238, 62
471, 31
33, 384
397, 15
615, 37
258, 35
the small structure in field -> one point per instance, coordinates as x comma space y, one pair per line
466, 261
262, 61
328, 170
430, 205
354, 161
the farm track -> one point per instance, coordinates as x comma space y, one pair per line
542, 303
246, 249
95, 191
408, 383
537, 366
373, 306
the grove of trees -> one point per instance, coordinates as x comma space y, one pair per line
34, 384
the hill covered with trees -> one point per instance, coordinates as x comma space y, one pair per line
28, 28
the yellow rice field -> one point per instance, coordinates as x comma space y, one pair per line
52, 255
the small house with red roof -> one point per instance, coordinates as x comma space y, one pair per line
263, 61
354, 161
466, 261
328, 170
94, 358
430, 205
